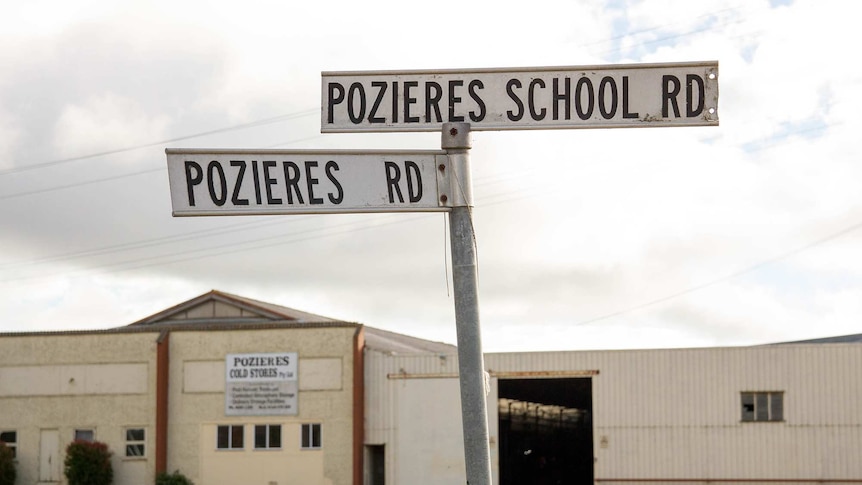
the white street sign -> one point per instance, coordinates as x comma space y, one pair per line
612, 96
243, 182
261, 384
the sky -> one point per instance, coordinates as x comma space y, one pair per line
742, 234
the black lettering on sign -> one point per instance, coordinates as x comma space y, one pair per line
291, 179
454, 100
670, 90
626, 113
256, 175
269, 181
395, 101
235, 200
471, 88
432, 100
531, 99
514, 116
310, 182
584, 114
608, 113
690, 81
372, 117
334, 99
356, 118
413, 175
393, 179
408, 100
214, 168
192, 180
393, 175
565, 96
331, 166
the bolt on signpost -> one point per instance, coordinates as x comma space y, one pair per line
455, 102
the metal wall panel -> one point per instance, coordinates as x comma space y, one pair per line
676, 414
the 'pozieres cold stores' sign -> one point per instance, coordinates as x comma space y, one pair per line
261, 384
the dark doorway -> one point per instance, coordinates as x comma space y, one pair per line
375, 465
546, 431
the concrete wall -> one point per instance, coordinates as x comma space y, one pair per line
197, 408
56, 384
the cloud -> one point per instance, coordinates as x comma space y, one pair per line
572, 225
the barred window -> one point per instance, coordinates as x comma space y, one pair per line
10, 439
136, 442
762, 406
267, 436
230, 437
311, 436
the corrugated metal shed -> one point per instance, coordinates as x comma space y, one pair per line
667, 414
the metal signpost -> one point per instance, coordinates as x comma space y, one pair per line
244, 182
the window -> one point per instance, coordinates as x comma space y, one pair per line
267, 437
85, 435
136, 442
763, 406
311, 438
230, 437
10, 438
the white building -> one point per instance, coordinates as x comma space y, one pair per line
786, 413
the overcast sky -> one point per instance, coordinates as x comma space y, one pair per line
741, 234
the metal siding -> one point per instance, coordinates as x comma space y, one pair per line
676, 413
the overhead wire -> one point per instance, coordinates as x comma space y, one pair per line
62, 161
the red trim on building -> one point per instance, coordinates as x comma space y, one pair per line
163, 348
358, 404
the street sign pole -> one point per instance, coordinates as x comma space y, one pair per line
471, 367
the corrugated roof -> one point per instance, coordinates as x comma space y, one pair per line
396, 343
842, 339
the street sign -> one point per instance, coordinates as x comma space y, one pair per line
612, 96
247, 182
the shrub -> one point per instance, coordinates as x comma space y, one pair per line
175, 478
88, 463
7, 465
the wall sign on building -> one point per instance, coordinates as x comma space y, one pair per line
261, 384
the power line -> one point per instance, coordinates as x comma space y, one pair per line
728, 277
252, 124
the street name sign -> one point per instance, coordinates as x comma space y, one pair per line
263, 182
611, 96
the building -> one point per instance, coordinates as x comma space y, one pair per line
786, 413
230, 390
159, 393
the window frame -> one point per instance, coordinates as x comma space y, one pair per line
92, 432
311, 436
268, 437
12, 445
142, 443
230, 437
761, 406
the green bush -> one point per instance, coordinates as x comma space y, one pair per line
175, 478
88, 463
7, 465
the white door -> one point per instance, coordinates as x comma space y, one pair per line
49, 456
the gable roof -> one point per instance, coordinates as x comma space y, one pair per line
219, 310
218, 307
